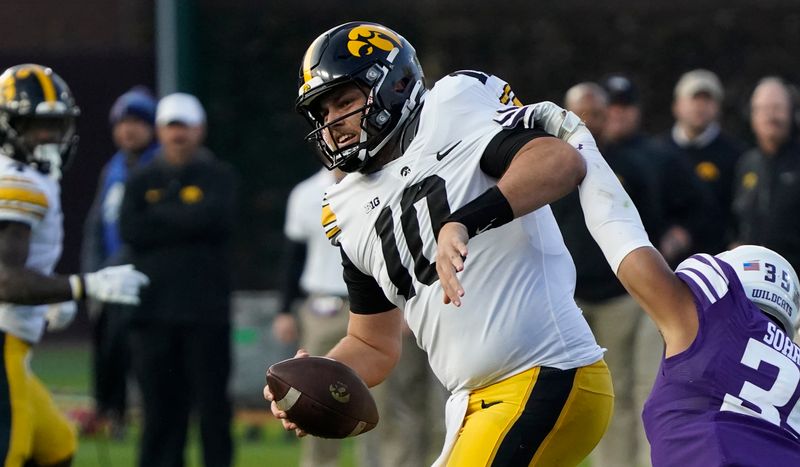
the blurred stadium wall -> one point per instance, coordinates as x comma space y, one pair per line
242, 57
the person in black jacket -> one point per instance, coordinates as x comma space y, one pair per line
767, 200
698, 139
177, 217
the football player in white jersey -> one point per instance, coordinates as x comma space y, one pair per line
37, 136
528, 382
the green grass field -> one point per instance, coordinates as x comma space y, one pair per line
64, 368
272, 450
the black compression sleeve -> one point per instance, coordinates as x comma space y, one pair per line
366, 296
504, 146
487, 211
294, 258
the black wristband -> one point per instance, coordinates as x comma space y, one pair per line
487, 211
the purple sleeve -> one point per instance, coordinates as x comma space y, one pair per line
708, 280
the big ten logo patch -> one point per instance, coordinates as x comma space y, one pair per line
371, 204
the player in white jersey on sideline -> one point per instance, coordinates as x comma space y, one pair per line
37, 136
528, 382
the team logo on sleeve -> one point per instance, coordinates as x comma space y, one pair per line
366, 37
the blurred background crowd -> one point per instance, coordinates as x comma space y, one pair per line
693, 103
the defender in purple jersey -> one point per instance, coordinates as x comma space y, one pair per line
728, 389
732, 397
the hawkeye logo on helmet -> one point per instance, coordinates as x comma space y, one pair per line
364, 39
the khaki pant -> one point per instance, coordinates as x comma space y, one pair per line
411, 402
635, 349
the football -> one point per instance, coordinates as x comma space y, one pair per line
323, 397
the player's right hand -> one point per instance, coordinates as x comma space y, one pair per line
115, 284
451, 252
280, 414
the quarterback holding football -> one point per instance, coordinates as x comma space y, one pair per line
498, 322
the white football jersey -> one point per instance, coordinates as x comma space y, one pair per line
29, 197
322, 272
518, 310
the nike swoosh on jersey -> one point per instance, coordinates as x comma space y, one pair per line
442, 154
484, 405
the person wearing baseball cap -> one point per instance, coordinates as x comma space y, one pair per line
681, 200
177, 216
623, 115
181, 127
132, 120
700, 81
697, 138
180, 108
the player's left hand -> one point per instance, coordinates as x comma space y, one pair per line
280, 414
60, 315
115, 284
451, 252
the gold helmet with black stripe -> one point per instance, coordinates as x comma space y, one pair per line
37, 118
386, 69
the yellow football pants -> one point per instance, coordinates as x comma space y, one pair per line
31, 426
542, 417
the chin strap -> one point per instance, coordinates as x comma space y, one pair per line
412, 104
